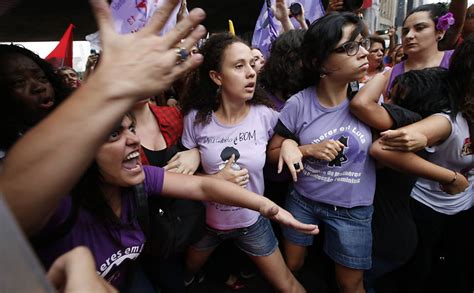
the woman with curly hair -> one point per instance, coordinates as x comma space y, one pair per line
30, 90
282, 75
229, 121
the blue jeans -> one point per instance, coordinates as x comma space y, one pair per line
348, 234
256, 240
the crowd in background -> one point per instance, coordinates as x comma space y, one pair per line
166, 163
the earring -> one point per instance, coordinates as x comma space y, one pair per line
322, 75
439, 38
218, 91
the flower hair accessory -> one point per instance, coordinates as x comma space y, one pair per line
445, 21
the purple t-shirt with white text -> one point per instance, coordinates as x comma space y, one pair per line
248, 140
114, 247
349, 179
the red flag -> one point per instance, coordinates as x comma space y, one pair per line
367, 4
62, 54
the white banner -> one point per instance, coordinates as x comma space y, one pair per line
131, 15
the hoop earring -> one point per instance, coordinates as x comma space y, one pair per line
322, 75
439, 38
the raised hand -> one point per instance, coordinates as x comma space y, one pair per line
143, 63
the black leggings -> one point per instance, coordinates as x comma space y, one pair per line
444, 255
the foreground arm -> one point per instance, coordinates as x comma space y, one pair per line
75, 271
52, 156
221, 191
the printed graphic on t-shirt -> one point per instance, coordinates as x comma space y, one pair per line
226, 153
225, 156
109, 269
339, 169
340, 158
240, 137
466, 147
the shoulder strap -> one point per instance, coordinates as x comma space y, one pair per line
141, 201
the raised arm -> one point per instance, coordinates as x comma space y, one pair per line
281, 13
44, 165
365, 105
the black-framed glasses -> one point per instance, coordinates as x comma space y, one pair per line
352, 48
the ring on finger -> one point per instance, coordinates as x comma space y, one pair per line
297, 166
182, 54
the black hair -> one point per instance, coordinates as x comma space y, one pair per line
10, 127
321, 39
201, 92
282, 73
461, 71
426, 91
377, 39
435, 11
88, 192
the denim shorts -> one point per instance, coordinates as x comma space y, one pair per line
256, 240
347, 231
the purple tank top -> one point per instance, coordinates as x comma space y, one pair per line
400, 67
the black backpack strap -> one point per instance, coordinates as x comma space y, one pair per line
59, 232
141, 201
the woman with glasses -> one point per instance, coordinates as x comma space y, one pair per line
422, 30
335, 185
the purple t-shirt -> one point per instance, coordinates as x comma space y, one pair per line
348, 180
114, 248
248, 140
400, 67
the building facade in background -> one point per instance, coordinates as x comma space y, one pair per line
384, 13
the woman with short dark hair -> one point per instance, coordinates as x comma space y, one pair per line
336, 184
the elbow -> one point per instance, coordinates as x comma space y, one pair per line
357, 105
376, 151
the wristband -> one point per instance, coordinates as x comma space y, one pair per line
454, 178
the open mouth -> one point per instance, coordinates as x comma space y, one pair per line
46, 102
132, 161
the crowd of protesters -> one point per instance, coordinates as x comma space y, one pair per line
354, 145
